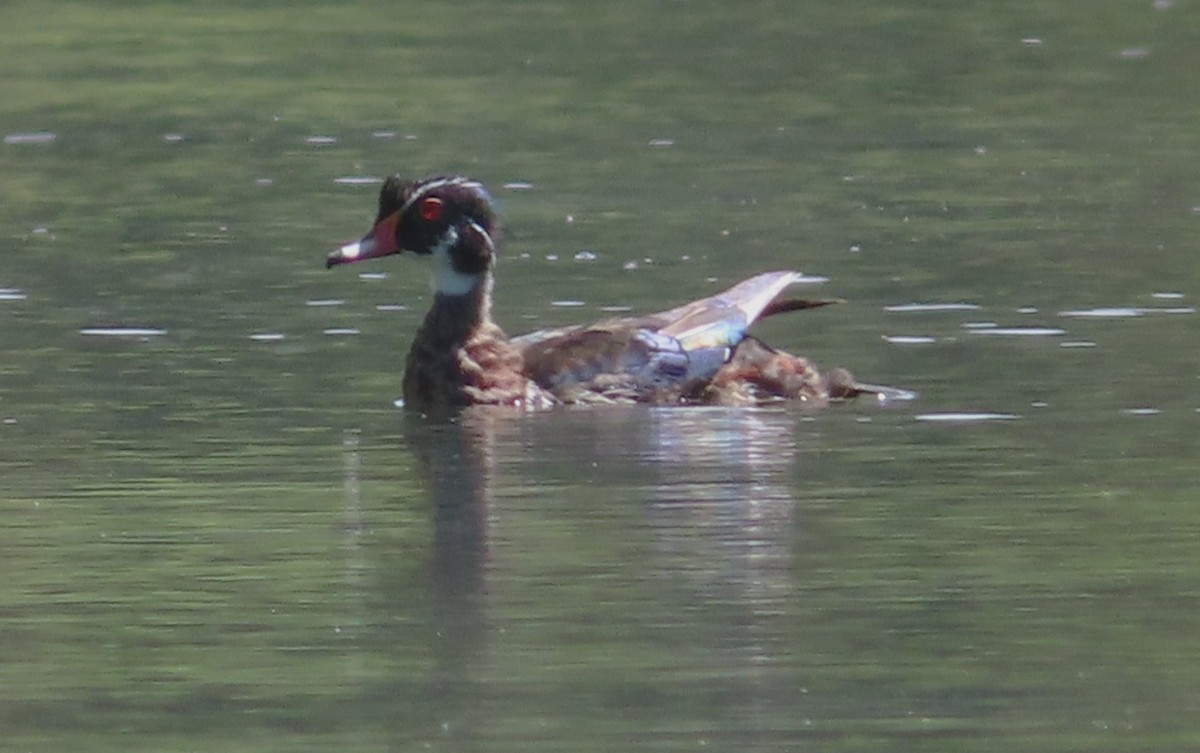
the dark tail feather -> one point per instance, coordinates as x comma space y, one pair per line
783, 305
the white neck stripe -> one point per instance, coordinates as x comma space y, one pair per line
486, 237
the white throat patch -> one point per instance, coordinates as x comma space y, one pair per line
445, 279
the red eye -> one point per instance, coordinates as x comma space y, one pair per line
431, 208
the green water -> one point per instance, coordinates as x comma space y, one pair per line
220, 534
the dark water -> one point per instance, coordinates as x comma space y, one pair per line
221, 534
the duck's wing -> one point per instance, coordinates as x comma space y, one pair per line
649, 356
721, 320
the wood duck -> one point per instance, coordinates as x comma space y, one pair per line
698, 353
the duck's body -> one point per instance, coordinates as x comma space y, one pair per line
696, 353
686, 354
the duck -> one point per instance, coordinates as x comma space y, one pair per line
699, 353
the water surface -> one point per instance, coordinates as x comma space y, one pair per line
222, 534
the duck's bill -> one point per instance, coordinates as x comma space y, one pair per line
381, 241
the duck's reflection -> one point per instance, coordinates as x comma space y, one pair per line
457, 463
709, 495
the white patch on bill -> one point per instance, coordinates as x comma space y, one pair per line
353, 250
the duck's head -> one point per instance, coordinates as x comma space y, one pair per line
447, 218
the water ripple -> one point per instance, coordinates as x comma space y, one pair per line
1020, 331
122, 332
906, 308
39, 137
357, 180
1112, 312
1125, 312
965, 417
909, 339
1142, 411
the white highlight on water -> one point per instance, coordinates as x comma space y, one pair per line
965, 417
122, 332
1022, 331
906, 308
909, 339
